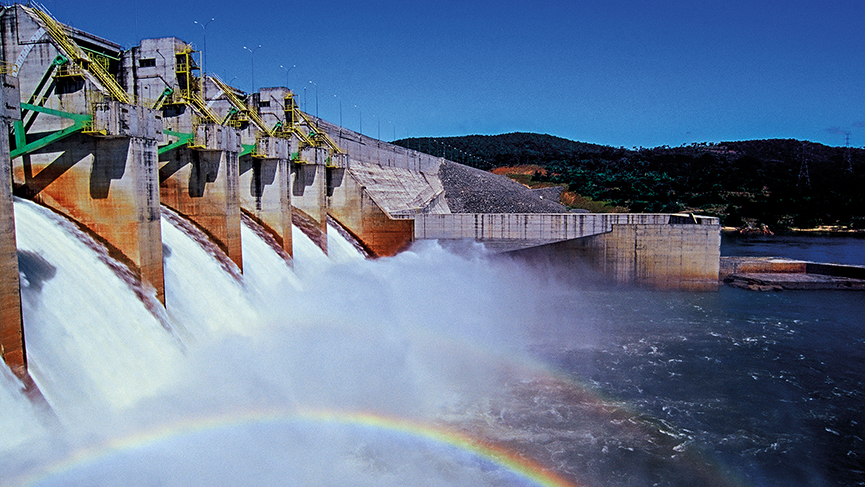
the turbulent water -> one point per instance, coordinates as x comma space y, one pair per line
429, 368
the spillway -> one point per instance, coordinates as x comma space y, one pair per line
334, 334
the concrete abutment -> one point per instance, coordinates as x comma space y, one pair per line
350, 204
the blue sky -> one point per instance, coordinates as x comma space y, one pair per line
615, 72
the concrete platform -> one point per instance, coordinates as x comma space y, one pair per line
776, 274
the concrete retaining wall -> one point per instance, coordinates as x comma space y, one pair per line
536, 226
670, 256
662, 250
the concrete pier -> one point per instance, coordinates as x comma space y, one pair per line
198, 156
80, 148
265, 173
203, 185
107, 183
265, 196
12, 349
309, 192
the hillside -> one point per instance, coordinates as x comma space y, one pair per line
782, 183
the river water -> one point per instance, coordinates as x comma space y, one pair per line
769, 386
837, 249
429, 368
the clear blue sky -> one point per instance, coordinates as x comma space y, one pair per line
622, 73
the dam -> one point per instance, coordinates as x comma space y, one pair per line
107, 137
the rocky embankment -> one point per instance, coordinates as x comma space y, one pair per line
470, 190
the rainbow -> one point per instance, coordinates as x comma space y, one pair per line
524, 468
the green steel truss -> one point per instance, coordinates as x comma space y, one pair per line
80, 122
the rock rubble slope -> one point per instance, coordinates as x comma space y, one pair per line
470, 190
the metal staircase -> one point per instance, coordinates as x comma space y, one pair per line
88, 61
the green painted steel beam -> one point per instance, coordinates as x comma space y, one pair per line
231, 112
20, 133
182, 139
59, 60
47, 140
247, 150
78, 117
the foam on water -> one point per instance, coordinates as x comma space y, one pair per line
91, 342
205, 294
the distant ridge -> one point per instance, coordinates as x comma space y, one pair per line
782, 183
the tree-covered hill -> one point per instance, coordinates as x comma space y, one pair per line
779, 182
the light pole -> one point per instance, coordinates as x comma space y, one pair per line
360, 118
204, 51
316, 99
286, 72
340, 110
252, 63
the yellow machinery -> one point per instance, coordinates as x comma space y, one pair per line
89, 61
185, 68
243, 111
78, 61
313, 137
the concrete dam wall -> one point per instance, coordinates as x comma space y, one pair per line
105, 136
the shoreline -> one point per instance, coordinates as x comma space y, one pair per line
817, 231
